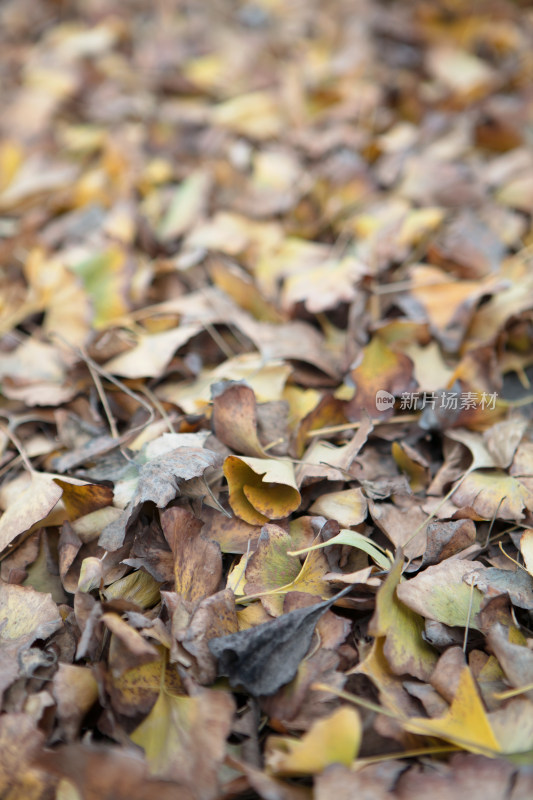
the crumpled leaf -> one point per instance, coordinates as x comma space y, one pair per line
215, 616
264, 658
25, 615
324, 460
159, 481
127, 644
261, 489
516, 583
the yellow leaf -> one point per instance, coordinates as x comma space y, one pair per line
81, 500
292, 257
11, 158
404, 648
431, 371
348, 507
310, 579
440, 593
267, 380
465, 724
236, 580
257, 114
418, 474
137, 587
392, 694
381, 368
493, 492
60, 294
417, 224
184, 738
186, 206
135, 690
105, 280
325, 286
442, 296
333, 740
273, 572
353, 539
151, 353
261, 489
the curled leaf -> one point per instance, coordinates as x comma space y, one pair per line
261, 489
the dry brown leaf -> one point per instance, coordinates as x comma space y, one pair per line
235, 418
197, 561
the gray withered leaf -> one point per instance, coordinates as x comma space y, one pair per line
160, 481
264, 658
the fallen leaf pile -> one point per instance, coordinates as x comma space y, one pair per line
266, 441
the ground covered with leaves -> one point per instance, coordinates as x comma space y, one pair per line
266, 451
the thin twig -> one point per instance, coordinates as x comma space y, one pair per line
159, 407
352, 426
18, 444
467, 626
102, 395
